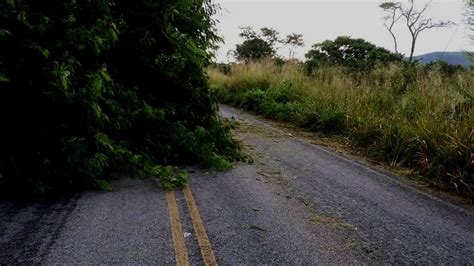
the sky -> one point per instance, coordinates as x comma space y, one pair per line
320, 20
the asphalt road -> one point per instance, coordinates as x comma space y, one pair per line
296, 204
379, 218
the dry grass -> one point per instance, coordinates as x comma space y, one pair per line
417, 118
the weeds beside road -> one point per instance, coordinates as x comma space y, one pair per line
414, 117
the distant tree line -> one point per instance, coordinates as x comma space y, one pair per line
353, 54
257, 46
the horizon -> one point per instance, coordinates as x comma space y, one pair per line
357, 19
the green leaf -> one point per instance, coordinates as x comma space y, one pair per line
4, 33
11, 2
256, 227
40, 49
3, 78
170, 177
103, 185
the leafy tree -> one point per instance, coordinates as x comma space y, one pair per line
93, 87
257, 46
415, 21
354, 54
254, 49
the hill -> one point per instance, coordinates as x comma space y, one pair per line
452, 58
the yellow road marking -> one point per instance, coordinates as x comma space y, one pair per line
201, 235
181, 252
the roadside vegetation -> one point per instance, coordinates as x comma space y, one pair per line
90, 88
412, 115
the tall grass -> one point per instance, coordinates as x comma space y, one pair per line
406, 115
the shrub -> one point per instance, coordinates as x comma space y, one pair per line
253, 99
88, 88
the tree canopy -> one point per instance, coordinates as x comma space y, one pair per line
256, 46
254, 49
354, 54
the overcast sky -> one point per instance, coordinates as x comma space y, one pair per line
319, 20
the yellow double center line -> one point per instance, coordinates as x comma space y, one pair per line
181, 252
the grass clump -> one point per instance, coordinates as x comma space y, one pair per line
414, 116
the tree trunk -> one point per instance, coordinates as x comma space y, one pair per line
394, 41
412, 51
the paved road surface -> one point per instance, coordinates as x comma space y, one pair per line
296, 204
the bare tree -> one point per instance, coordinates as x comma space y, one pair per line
415, 20
294, 40
469, 18
391, 19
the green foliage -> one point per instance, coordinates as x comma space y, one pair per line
103, 185
254, 49
256, 46
325, 118
88, 88
470, 55
170, 177
445, 68
420, 117
253, 99
354, 54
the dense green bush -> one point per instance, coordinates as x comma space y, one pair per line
92, 87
